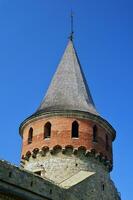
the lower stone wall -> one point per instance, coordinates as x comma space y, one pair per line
18, 184
25, 185
93, 188
60, 166
8, 197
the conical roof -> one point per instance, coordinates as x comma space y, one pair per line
68, 89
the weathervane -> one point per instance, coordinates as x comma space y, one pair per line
72, 32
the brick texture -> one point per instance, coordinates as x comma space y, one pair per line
61, 135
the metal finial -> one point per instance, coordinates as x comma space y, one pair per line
72, 32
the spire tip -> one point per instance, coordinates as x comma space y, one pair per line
72, 32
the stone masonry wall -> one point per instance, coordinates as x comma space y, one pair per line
21, 184
18, 184
96, 187
60, 166
8, 197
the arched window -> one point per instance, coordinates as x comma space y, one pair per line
107, 142
47, 130
95, 133
30, 136
75, 129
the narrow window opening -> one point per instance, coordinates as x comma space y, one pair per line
103, 187
10, 174
31, 184
95, 133
47, 130
50, 191
107, 143
75, 129
30, 136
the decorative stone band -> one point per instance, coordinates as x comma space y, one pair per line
69, 113
56, 149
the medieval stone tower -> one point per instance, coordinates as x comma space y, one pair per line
66, 141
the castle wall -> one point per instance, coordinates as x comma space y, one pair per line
63, 167
19, 184
61, 135
96, 187
4, 196
59, 165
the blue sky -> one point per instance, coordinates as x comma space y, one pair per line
33, 36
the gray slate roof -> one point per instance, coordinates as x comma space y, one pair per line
68, 89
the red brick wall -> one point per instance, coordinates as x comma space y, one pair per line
61, 135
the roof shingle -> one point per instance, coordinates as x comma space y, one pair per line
68, 89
